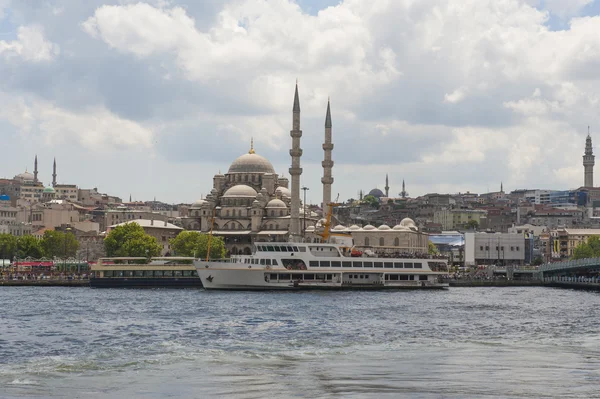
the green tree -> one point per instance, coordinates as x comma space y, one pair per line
29, 246
432, 249
192, 243
56, 244
130, 239
8, 244
472, 225
588, 249
537, 261
371, 201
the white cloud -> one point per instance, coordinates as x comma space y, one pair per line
456, 96
30, 46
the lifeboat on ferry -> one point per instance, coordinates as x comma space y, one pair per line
355, 253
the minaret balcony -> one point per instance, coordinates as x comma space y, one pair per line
296, 152
327, 164
327, 180
327, 146
295, 171
296, 134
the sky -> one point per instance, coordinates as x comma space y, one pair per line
152, 99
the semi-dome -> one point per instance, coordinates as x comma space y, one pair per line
377, 193
384, 227
276, 203
241, 190
198, 203
251, 163
284, 191
369, 227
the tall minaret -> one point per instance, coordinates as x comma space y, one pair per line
501, 187
403, 194
295, 170
387, 186
35, 170
588, 162
327, 163
54, 174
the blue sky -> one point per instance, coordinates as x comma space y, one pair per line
153, 98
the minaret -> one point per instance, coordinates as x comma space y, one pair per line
387, 186
501, 187
403, 194
295, 170
54, 174
327, 163
588, 162
35, 170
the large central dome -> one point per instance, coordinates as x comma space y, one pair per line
251, 163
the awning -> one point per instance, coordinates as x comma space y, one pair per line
272, 232
231, 232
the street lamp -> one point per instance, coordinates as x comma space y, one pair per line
304, 207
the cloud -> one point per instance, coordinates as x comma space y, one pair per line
30, 46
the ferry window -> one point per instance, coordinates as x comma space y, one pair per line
262, 261
168, 273
368, 264
378, 264
325, 263
411, 277
273, 276
346, 263
398, 265
360, 276
194, 273
290, 249
309, 276
329, 276
158, 273
388, 265
187, 273
357, 264
270, 249
274, 262
148, 273
268, 261
108, 273
394, 277
314, 263
336, 263
403, 277
284, 276
293, 264
408, 265
277, 249
139, 273
177, 273
129, 273
422, 278
295, 249
302, 249
418, 265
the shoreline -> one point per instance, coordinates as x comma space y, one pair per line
45, 283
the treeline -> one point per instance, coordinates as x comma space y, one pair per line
54, 244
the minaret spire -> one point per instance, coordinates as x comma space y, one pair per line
327, 163
35, 170
501, 187
403, 194
588, 162
251, 146
54, 173
387, 186
295, 169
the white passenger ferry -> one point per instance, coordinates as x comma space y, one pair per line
292, 266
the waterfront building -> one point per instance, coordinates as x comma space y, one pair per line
494, 249
123, 214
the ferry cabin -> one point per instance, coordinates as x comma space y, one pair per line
318, 265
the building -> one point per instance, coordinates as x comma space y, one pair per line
494, 249
124, 214
588, 162
161, 230
9, 223
456, 219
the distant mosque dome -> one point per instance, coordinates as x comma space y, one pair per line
49, 190
25, 176
400, 228
408, 223
339, 227
251, 163
384, 227
241, 190
283, 191
276, 203
198, 203
354, 227
369, 227
377, 193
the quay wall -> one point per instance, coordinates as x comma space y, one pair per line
45, 283
495, 283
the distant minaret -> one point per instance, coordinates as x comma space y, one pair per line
361, 195
403, 194
501, 187
35, 170
295, 170
588, 162
327, 163
387, 186
54, 174
129, 197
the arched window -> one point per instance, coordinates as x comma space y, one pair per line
227, 212
270, 227
245, 178
280, 213
272, 213
381, 242
253, 178
396, 242
367, 241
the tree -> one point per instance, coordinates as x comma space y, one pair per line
537, 261
192, 243
432, 249
472, 225
588, 249
8, 244
29, 246
371, 201
56, 244
130, 239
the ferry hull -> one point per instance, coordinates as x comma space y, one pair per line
141, 282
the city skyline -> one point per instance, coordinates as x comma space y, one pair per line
138, 111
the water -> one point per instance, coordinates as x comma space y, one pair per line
460, 343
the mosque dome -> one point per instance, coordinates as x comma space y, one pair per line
25, 176
339, 227
377, 193
407, 222
276, 203
284, 191
369, 227
384, 227
354, 227
400, 228
48, 190
251, 163
198, 203
241, 190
